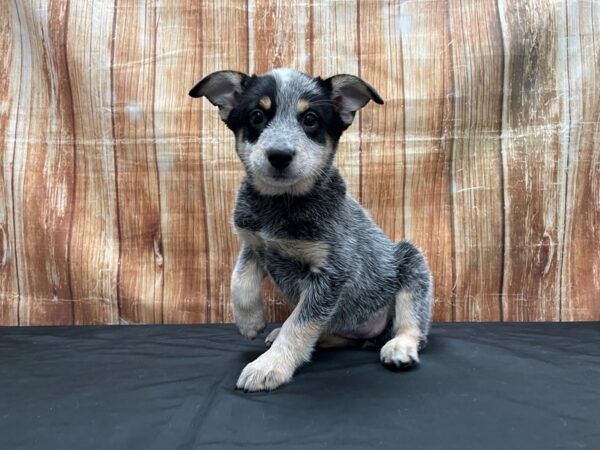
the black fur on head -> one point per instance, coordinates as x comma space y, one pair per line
287, 123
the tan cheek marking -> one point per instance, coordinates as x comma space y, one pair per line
265, 102
303, 106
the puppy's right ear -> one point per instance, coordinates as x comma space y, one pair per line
350, 94
222, 88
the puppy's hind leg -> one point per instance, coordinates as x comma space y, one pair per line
412, 309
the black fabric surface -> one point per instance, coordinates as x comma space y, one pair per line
480, 386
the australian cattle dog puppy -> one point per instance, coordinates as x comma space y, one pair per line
347, 281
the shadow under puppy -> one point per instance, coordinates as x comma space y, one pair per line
348, 282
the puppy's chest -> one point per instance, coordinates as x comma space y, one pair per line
281, 236
274, 248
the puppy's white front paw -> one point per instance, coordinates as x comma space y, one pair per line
250, 323
400, 352
264, 374
272, 336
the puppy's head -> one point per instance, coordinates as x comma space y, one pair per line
287, 124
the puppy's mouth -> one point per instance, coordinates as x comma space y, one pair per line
278, 178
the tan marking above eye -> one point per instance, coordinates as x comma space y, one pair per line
303, 105
265, 102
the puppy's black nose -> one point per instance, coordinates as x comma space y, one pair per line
280, 159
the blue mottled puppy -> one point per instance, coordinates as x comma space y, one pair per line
347, 280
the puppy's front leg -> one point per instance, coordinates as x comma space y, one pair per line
295, 341
246, 282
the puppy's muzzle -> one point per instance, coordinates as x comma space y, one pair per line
280, 158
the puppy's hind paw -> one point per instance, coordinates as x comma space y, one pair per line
400, 353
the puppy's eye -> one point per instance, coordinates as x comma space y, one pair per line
257, 118
310, 121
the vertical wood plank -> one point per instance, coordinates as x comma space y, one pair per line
477, 59
428, 127
224, 46
10, 75
332, 55
581, 264
94, 249
535, 113
133, 69
42, 166
179, 64
279, 36
382, 127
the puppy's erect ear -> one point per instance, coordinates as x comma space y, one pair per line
350, 93
222, 88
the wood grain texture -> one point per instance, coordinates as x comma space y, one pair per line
42, 166
535, 114
428, 127
94, 246
382, 159
140, 259
581, 261
10, 73
476, 172
116, 188
225, 45
177, 128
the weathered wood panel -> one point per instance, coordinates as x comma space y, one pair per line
535, 117
177, 126
476, 173
140, 265
581, 261
382, 149
225, 45
116, 188
42, 167
10, 74
428, 126
95, 244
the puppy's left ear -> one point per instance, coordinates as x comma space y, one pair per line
350, 94
222, 88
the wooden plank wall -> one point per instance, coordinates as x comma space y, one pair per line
116, 188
